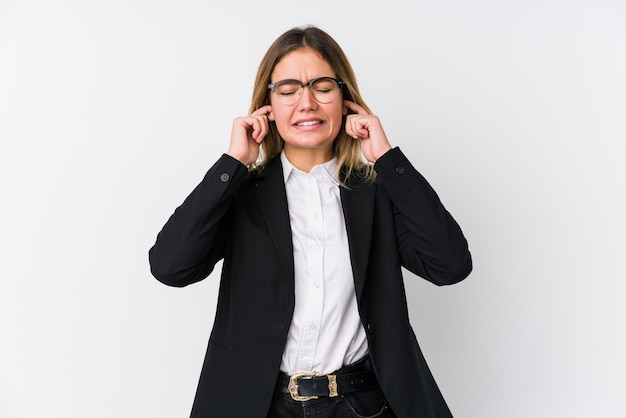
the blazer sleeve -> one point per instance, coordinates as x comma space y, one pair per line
430, 242
192, 240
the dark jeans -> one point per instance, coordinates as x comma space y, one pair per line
362, 404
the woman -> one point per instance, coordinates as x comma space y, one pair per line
313, 214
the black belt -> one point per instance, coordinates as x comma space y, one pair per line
306, 386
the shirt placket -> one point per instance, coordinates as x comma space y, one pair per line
314, 275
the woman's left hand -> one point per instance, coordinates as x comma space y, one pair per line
361, 125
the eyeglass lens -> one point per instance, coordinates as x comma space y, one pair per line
324, 90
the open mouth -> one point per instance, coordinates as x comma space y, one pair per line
309, 123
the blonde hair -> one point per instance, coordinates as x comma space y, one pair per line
346, 149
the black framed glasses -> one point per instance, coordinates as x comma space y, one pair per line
289, 91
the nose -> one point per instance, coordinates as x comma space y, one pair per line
306, 99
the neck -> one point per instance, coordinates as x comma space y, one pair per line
305, 158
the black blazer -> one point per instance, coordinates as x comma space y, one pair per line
242, 218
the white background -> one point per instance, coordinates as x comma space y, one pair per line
111, 112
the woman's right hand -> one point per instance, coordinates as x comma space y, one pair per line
247, 134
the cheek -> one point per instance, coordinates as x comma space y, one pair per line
281, 119
336, 116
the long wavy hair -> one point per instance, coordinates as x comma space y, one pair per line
346, 149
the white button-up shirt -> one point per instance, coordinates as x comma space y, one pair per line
326, 330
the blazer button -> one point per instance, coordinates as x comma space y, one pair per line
400, 170
224, 177
370, 328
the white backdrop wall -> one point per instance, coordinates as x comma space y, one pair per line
111, 112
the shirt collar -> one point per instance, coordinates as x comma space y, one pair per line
327, 170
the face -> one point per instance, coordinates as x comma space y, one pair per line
306, 126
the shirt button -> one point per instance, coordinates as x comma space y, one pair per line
400, 170
224, 177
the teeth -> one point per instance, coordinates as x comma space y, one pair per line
309, 123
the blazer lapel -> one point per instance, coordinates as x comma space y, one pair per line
358, 210
272, 198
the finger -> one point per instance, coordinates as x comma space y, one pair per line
350, 128
262, 111
246, 124
262, 115
260, 128
355, 107
360, 127
356, 127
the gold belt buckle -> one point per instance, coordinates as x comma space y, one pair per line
293, 386
332, 385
